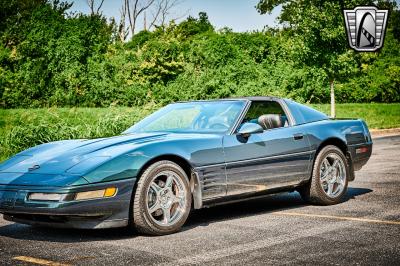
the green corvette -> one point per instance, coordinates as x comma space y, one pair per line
187, 155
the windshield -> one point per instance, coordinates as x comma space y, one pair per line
198, 117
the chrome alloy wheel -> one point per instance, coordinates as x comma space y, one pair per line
166, 198
333, 175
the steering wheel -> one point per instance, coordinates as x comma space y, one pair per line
199, 122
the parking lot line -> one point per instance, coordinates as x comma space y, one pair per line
338, 217
39, 261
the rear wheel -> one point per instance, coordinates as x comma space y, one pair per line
328, 184
162, 199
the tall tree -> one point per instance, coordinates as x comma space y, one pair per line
163, 12
317, 29
160, 10
134, 8
123, 30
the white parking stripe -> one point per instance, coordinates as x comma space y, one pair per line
338, 217
255, 245
39, 261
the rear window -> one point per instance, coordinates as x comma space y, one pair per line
304, 114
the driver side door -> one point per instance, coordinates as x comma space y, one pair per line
275, 158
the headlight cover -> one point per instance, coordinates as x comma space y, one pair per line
13, 161
87, 164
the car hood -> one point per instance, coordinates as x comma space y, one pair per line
56, 158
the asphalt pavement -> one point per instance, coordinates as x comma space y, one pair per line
278, 229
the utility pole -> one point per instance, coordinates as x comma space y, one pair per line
333, 111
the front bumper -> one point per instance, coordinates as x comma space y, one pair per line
95, 213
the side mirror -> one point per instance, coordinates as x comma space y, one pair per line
250, 128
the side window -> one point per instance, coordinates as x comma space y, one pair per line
268, 114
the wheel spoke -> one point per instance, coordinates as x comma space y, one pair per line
167, 215
156, 188
339, 186
154, 208
341, 181
335, 163
330, 189
324, 175
325, 164
179, 199
325, 172
169, 181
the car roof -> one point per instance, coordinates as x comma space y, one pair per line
250, 98
256, 98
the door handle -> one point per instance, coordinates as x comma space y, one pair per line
298, 136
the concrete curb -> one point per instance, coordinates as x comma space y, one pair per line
380, 133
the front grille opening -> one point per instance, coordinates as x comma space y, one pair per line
49, 218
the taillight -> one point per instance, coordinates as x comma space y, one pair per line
362, 150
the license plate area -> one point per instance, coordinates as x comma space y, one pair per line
7, 199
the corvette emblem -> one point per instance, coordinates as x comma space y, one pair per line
34, 167
365, 26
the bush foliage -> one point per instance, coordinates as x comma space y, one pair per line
50, 57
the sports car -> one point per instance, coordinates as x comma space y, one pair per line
187, 155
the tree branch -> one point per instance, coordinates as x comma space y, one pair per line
91, 4
101, 4
163, 10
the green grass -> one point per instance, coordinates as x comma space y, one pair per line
74, 117
24, 128
377, 115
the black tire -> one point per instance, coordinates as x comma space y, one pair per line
142, 220
313, 192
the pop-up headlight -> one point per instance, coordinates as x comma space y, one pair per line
87, 164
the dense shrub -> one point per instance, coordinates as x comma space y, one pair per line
49, 57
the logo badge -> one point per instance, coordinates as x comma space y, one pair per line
34, 167
365, 26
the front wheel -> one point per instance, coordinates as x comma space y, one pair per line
162, 199
328, 184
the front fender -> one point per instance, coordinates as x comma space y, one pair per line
196, 152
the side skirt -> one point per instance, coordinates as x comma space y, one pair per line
244, 197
